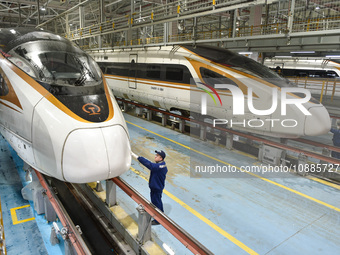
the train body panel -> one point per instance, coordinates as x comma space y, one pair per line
57, 111
178, 78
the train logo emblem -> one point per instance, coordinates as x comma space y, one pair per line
91, 109
213, 90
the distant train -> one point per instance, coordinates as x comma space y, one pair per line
305, 67
57, 111
177, 77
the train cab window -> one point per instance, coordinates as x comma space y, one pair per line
3, 86
153, 71
177, 73
212, 78
332, 74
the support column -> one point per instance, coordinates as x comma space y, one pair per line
229, 141
166, 33
144, 225
234, 23
164, 119
68, 30
111, 193
81, 22
19, 5
102, 19
255, 17
203, 132
194, 32
125, 107
149, 115
38, 6
291, 16
182, 126
302, 161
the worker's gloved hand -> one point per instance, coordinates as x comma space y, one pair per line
134, 155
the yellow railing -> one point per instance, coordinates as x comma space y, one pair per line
329, 87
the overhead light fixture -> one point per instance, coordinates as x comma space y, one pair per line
317, 8
283, 56
245, 53
43, 9
302, 52
333, 56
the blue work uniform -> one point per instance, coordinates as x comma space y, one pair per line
156, 180
336, 142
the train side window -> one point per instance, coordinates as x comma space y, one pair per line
174, 73
153, 71
3, 86
177, 73
212, 78
121, 69
102, 67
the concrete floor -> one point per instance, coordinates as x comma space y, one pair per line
235, 214
243, 213
29, 233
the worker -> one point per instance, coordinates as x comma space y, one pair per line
158, 173
336, 139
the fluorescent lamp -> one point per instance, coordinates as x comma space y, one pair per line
283, 56
333, 56
245, 52
302, 52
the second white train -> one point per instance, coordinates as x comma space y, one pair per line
176, 77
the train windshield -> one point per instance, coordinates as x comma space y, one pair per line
56, 63
240, 63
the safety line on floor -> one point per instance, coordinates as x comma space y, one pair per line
15, 217
204, 219
255, 175
330, 184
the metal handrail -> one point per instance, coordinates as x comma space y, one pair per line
184, 237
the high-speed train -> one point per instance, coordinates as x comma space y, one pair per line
56, 109
305, 67
192, 79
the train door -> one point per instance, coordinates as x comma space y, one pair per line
133, 71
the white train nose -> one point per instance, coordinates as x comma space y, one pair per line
95, 154
318, 122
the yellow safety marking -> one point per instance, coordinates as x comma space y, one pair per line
15, 217
333, 185
255, 175
201, 217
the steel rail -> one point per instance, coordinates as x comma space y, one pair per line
254, 138
184, 237
73, 234
306, 141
